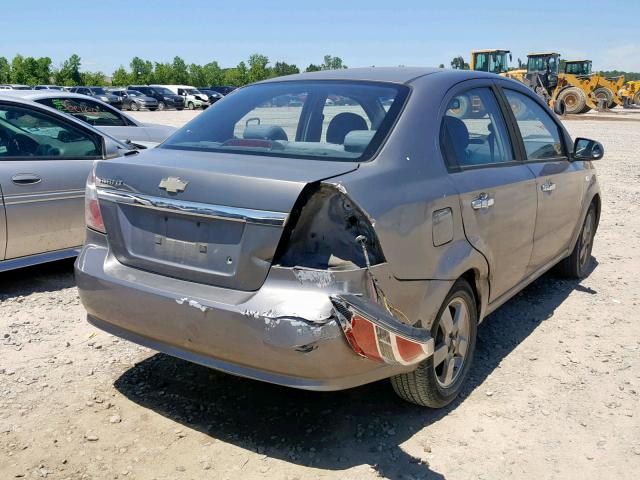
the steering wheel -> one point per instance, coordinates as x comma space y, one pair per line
9, 141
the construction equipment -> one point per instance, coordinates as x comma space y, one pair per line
492, 61
544, 77
630, 93
606, 90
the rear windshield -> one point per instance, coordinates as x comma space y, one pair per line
337, 120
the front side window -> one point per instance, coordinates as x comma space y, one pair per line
540, 133
29, 133
338, 120
473, 131
86, 110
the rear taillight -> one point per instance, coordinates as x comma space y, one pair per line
92, 215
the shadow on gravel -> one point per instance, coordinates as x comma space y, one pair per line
336, 430
48, 277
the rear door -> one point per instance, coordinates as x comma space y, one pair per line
560, 182
497, 191
44, 164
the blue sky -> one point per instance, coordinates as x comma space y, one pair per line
382, 33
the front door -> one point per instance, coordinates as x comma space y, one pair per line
560, 183
44, 164
497, 192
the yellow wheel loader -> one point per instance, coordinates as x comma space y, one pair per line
606, 90
544, 77
630, 93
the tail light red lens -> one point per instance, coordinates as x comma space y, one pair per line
377, 335
92, 214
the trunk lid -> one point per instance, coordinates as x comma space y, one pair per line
218, 219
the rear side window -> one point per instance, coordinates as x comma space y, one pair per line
540, 133
473, 131
90, 112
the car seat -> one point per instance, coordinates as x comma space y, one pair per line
342, 124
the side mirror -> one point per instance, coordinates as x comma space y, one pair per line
111, 148
587, 150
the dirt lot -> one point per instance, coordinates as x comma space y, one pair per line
554, 392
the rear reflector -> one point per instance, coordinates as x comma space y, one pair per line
92, 214
372, 332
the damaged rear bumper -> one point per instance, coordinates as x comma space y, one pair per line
289, 332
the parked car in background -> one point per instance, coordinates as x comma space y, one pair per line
134, 100
325, 246
99, 93
224, 90
165, 97
45, 158
212, 96
48, 87
14, 87
102, 116
193, 98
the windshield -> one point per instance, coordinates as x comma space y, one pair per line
134, 93
540, 64
492, 62
578, 68
191, 91
163, 91
338, 120
98, 90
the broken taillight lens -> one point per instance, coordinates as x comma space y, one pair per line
378, 335
92, 214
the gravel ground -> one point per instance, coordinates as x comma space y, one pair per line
554, 392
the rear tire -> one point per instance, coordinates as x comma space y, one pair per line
437, 381
576, 265
191, 106
134, 107
636, 99
575, 100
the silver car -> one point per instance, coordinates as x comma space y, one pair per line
102, 116
45, 159
323, 245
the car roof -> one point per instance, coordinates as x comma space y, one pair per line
40, 94
402, 75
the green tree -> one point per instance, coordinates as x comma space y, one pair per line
213, 74
141, 71
196, 75
180, 71
313, 68
441, 65
163, 73
18, 74
69, 72
332, 63
282, 68
93, 78
120, 77
258, 68
237, 76
459, 63
5, 70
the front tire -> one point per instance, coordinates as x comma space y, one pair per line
437, 381
191, 106
162, 106
134, 107
574, 100
576, 265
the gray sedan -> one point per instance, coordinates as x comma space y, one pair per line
101, 115
45, 158
325, 244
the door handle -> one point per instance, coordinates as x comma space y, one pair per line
26, 179
548, 186
482, 202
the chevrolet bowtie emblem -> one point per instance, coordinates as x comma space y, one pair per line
173, 184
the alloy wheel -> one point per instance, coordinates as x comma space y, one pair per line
452, 342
